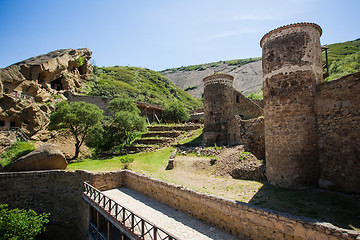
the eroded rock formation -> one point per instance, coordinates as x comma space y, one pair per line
29, 89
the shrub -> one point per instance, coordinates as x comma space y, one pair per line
256, 95
19, 224
81, 61
244, 156
126, 160
176, 112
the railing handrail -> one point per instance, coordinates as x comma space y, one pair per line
109, 205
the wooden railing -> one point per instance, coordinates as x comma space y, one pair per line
142, 228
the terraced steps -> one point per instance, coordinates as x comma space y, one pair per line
152, 141
172, 134
161, 135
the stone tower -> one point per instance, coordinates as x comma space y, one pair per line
218, 94
292, 67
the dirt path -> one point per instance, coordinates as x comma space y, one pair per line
197, 173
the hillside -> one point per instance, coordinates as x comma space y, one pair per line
344, 58
247, 74
140, 84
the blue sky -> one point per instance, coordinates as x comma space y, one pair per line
160, 34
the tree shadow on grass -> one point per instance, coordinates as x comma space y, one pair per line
339, 209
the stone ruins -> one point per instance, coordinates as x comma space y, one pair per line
311, 128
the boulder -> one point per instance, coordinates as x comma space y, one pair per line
46, 157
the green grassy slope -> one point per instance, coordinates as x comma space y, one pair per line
344, 59
140, 84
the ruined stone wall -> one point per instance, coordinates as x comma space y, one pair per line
244, 107
108, 180
54, 192
292, 66
59, 193
241, 219
338, 118
101, 102
248, 132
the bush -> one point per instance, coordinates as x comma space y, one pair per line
256, 95
244, 156
21, 224
176, 112
126, 160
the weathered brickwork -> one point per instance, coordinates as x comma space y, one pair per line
54, 192
292, 67
249, 132
311, 128
108, 180
338, 118
59, 193
244, 220
221, 103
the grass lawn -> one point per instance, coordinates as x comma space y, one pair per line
146, 162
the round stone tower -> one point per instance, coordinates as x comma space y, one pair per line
218, 94
292, 67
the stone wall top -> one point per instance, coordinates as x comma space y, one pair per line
219, 79
276, 30
215, 76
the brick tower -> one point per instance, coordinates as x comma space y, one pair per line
292, 67
218, 96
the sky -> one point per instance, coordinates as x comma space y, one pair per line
161, 34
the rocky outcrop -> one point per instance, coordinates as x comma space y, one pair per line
46, 157
247, 78
24, 113
29, 89
43, 75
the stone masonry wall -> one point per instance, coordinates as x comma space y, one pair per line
292, 66
54, 192
241, 219
249, 132
108, 180
338, 118
218, 108
244, 107
101, 102
59, 193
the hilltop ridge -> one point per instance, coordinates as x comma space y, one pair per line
247, 75
344, 59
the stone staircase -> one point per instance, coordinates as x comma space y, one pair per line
162, 135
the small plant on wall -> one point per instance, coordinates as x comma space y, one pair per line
244, 156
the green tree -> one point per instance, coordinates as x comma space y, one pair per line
78, 117
176, 112
120, 129
122, 104
21, 224
127, 126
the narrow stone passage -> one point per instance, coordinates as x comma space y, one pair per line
179, 224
